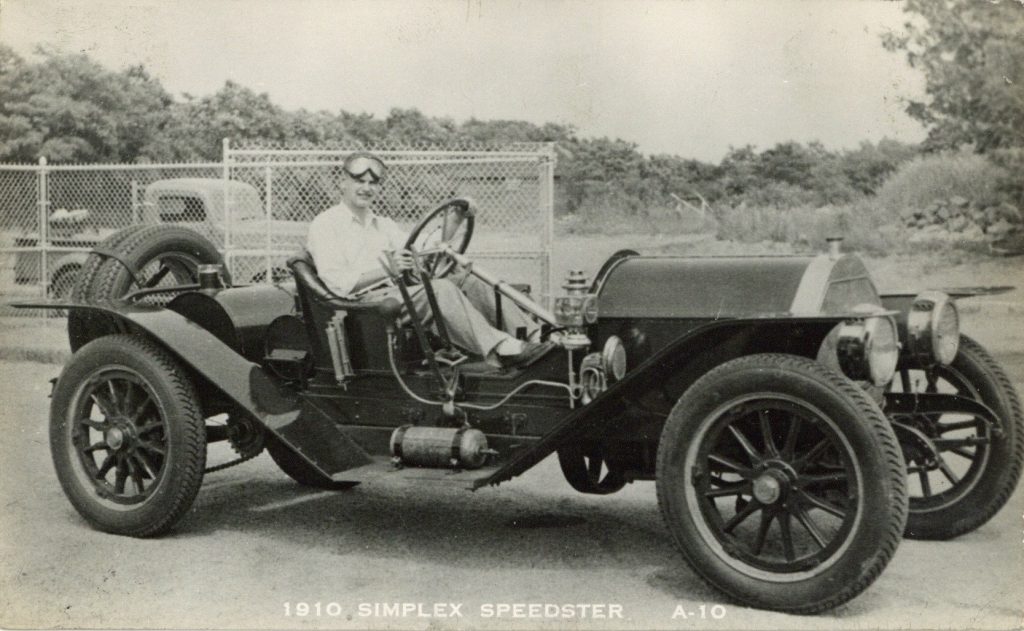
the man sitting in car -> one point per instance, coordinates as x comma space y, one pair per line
346, 241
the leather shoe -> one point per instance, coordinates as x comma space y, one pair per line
532, 351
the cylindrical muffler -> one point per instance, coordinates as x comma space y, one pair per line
451, 447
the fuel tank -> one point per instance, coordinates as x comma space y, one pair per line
731, 287
238, 316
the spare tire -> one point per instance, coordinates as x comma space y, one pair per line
87, 273
147, 256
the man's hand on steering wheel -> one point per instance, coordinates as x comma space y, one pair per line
402, 260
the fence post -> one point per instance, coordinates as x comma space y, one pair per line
226, 175
269, 188
135, 202
547, 210
43, 242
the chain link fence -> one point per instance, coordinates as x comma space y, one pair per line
256, 205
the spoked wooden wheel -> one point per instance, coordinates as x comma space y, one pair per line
782, 483
118, 435
777, 484
127, 436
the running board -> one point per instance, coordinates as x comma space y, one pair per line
383, 469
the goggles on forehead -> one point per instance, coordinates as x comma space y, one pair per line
359, 166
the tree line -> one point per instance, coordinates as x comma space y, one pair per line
71, 109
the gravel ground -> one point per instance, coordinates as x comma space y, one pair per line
256, 544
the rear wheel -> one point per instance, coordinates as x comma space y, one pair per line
127, 436
782, 483
977, 469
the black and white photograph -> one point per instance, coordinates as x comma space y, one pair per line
511, 314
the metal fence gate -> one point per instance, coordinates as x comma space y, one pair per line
45, 231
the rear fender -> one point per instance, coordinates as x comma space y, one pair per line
680, 364
221, 374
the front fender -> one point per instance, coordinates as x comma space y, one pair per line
689, 356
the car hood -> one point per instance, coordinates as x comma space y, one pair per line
729, 287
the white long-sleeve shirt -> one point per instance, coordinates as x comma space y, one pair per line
343, 248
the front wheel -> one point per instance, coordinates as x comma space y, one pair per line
127, 436
782, 483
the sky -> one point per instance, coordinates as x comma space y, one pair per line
690, 78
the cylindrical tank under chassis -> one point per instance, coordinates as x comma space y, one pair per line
454, 447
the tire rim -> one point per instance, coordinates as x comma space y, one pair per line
117, 437
784, 464
961, 435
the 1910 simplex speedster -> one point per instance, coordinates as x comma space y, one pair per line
797, 424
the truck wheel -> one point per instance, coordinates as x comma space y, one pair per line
63, 282
161, 256
301, 471
977, 469
127, 436
782, 483
61, 286
589, 472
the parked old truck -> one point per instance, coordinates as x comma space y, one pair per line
231, 214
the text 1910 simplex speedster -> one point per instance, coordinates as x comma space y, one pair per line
796, 423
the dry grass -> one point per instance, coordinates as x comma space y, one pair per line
612, 220
864, 226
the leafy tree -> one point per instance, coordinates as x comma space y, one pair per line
867, 166
412, 127
509, 131
972, 57
198, 125
69, 108
788, 162
606, 171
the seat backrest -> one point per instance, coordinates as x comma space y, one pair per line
365, 328
314, 298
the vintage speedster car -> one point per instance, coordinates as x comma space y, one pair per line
796, 423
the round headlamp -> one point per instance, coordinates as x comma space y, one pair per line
868, 349
933, 328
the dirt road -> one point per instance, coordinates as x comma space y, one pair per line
258, 550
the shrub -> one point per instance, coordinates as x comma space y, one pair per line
937, 178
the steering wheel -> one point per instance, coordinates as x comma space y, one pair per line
450, 223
